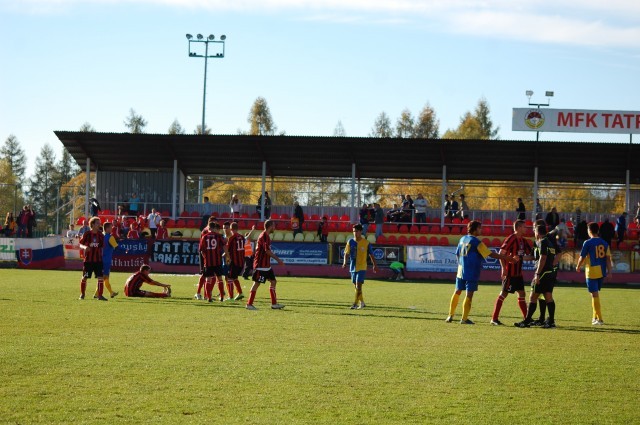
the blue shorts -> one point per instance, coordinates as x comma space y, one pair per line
106, 266
358, 277
594, 285
466, 285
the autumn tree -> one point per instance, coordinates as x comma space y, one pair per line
15, 157
382, 127
135, 123
427, 125
175, 128
260, 119
404, 125
11, 198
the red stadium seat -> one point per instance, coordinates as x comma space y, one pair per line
334, 217
315, 217
486, 241
195, 214
392, 239
435, 230
382, 239
433, 241
345, 217
424, 229
225, 215
412, 240
422, 240
403, 228
414, 230
495, 242
455, 230
284, 216
184, 214
445, 230
444, 241
402, 240
275, 216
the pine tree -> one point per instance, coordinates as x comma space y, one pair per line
260, 120
135, 123
405, 125
382, 127
427, 126
482, 113
13, 153
43, 188
339, 130
175, 128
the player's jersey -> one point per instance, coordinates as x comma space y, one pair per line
212, 247
135, 281
262, 261
595, 251
95, 244
471, 252
513, 245
109, 245
547, 248
358, 251
236, 249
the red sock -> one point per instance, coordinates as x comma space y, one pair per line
252, 296
208, 287
236, 283
201, 284
83, 286
272, 292
230, 288
100, 287
221, 288
497, 307
523, 306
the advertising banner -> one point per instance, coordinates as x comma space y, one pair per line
443, 259
384, 254
7, 249
301, 253
180, 252
43, 253
130, 255
72, 248
575, 121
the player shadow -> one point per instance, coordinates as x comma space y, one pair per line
600, 329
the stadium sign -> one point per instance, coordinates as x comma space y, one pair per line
575, 121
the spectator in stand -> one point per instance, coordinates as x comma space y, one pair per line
581, 233
207, 210
31, 222
421, 205
235, 206
364, 218
453, 212
607, 231
124, 230
120, 211
162, 230
72, 232
9, 225
552, 219
154, 220
94, 207
378, 219
578, 216
133, 204
621, 227
323, 230
392, 214
637, 217
298, 218
446, 207
267, 205
538, 209
115, 228
23, 218
84, 229
133, 231
521, 210
464, 208
563, 234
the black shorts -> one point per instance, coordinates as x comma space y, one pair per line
213, 271
546, 283
92, 268
201, 263
234, 271
261, 276
138, 293
512, 284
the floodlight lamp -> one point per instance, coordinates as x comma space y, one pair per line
199, 36
529, 93
211, 37
223, 37
189, 36
548, 93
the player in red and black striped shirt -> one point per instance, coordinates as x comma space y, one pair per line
262, 267
212, 247
92, 243
135, 281
235, 246
512, 279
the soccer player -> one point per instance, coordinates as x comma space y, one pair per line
135, 281
110, 244
212, 248
357, 250
262, 270
235, 247
596, 256
248, 255
553, 240
512, 279
92, 242
470, 252
544, 279
202, 279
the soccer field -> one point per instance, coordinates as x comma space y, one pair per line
181, 361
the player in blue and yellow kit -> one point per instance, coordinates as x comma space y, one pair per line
107, 255
471, 252
357, 251
596, 257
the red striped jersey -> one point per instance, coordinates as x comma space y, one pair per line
162, 233
235, 244
95, 244
135, 281
262, 259
212, 248
133, 234
513, 245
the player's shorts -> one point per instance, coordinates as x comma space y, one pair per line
212, 271
225, 269
106, 266
92, 268
512, 284
546, 283
261, 276
134, 293
201, 263
234, 271
358, 277
594, 285
466, 285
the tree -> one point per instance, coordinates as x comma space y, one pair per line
260, 120
43, 190
13, 153
87, 128
198, 129
482, 113
175, 128
135, 123
469, 128
66, 168
404, 125
382, 126
339, 130
10, 197
427, 125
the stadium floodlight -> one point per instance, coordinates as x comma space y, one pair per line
223, 37
211, 37
529, 93
200, 37
548, 93
189, 36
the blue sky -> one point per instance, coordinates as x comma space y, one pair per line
66, 62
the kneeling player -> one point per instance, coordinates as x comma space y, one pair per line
135, 281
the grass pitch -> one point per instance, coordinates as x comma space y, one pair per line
181, 361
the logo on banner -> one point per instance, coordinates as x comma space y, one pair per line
534, 119
378, 253
26, 255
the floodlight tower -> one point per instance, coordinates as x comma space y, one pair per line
549, 95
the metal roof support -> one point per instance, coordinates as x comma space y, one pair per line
535, 194
444, 191
87, 187
264, 187
174, 191
353, 188
627, 193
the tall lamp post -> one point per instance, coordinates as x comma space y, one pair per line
549, 95
194, 52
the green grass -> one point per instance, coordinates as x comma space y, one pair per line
181, 361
